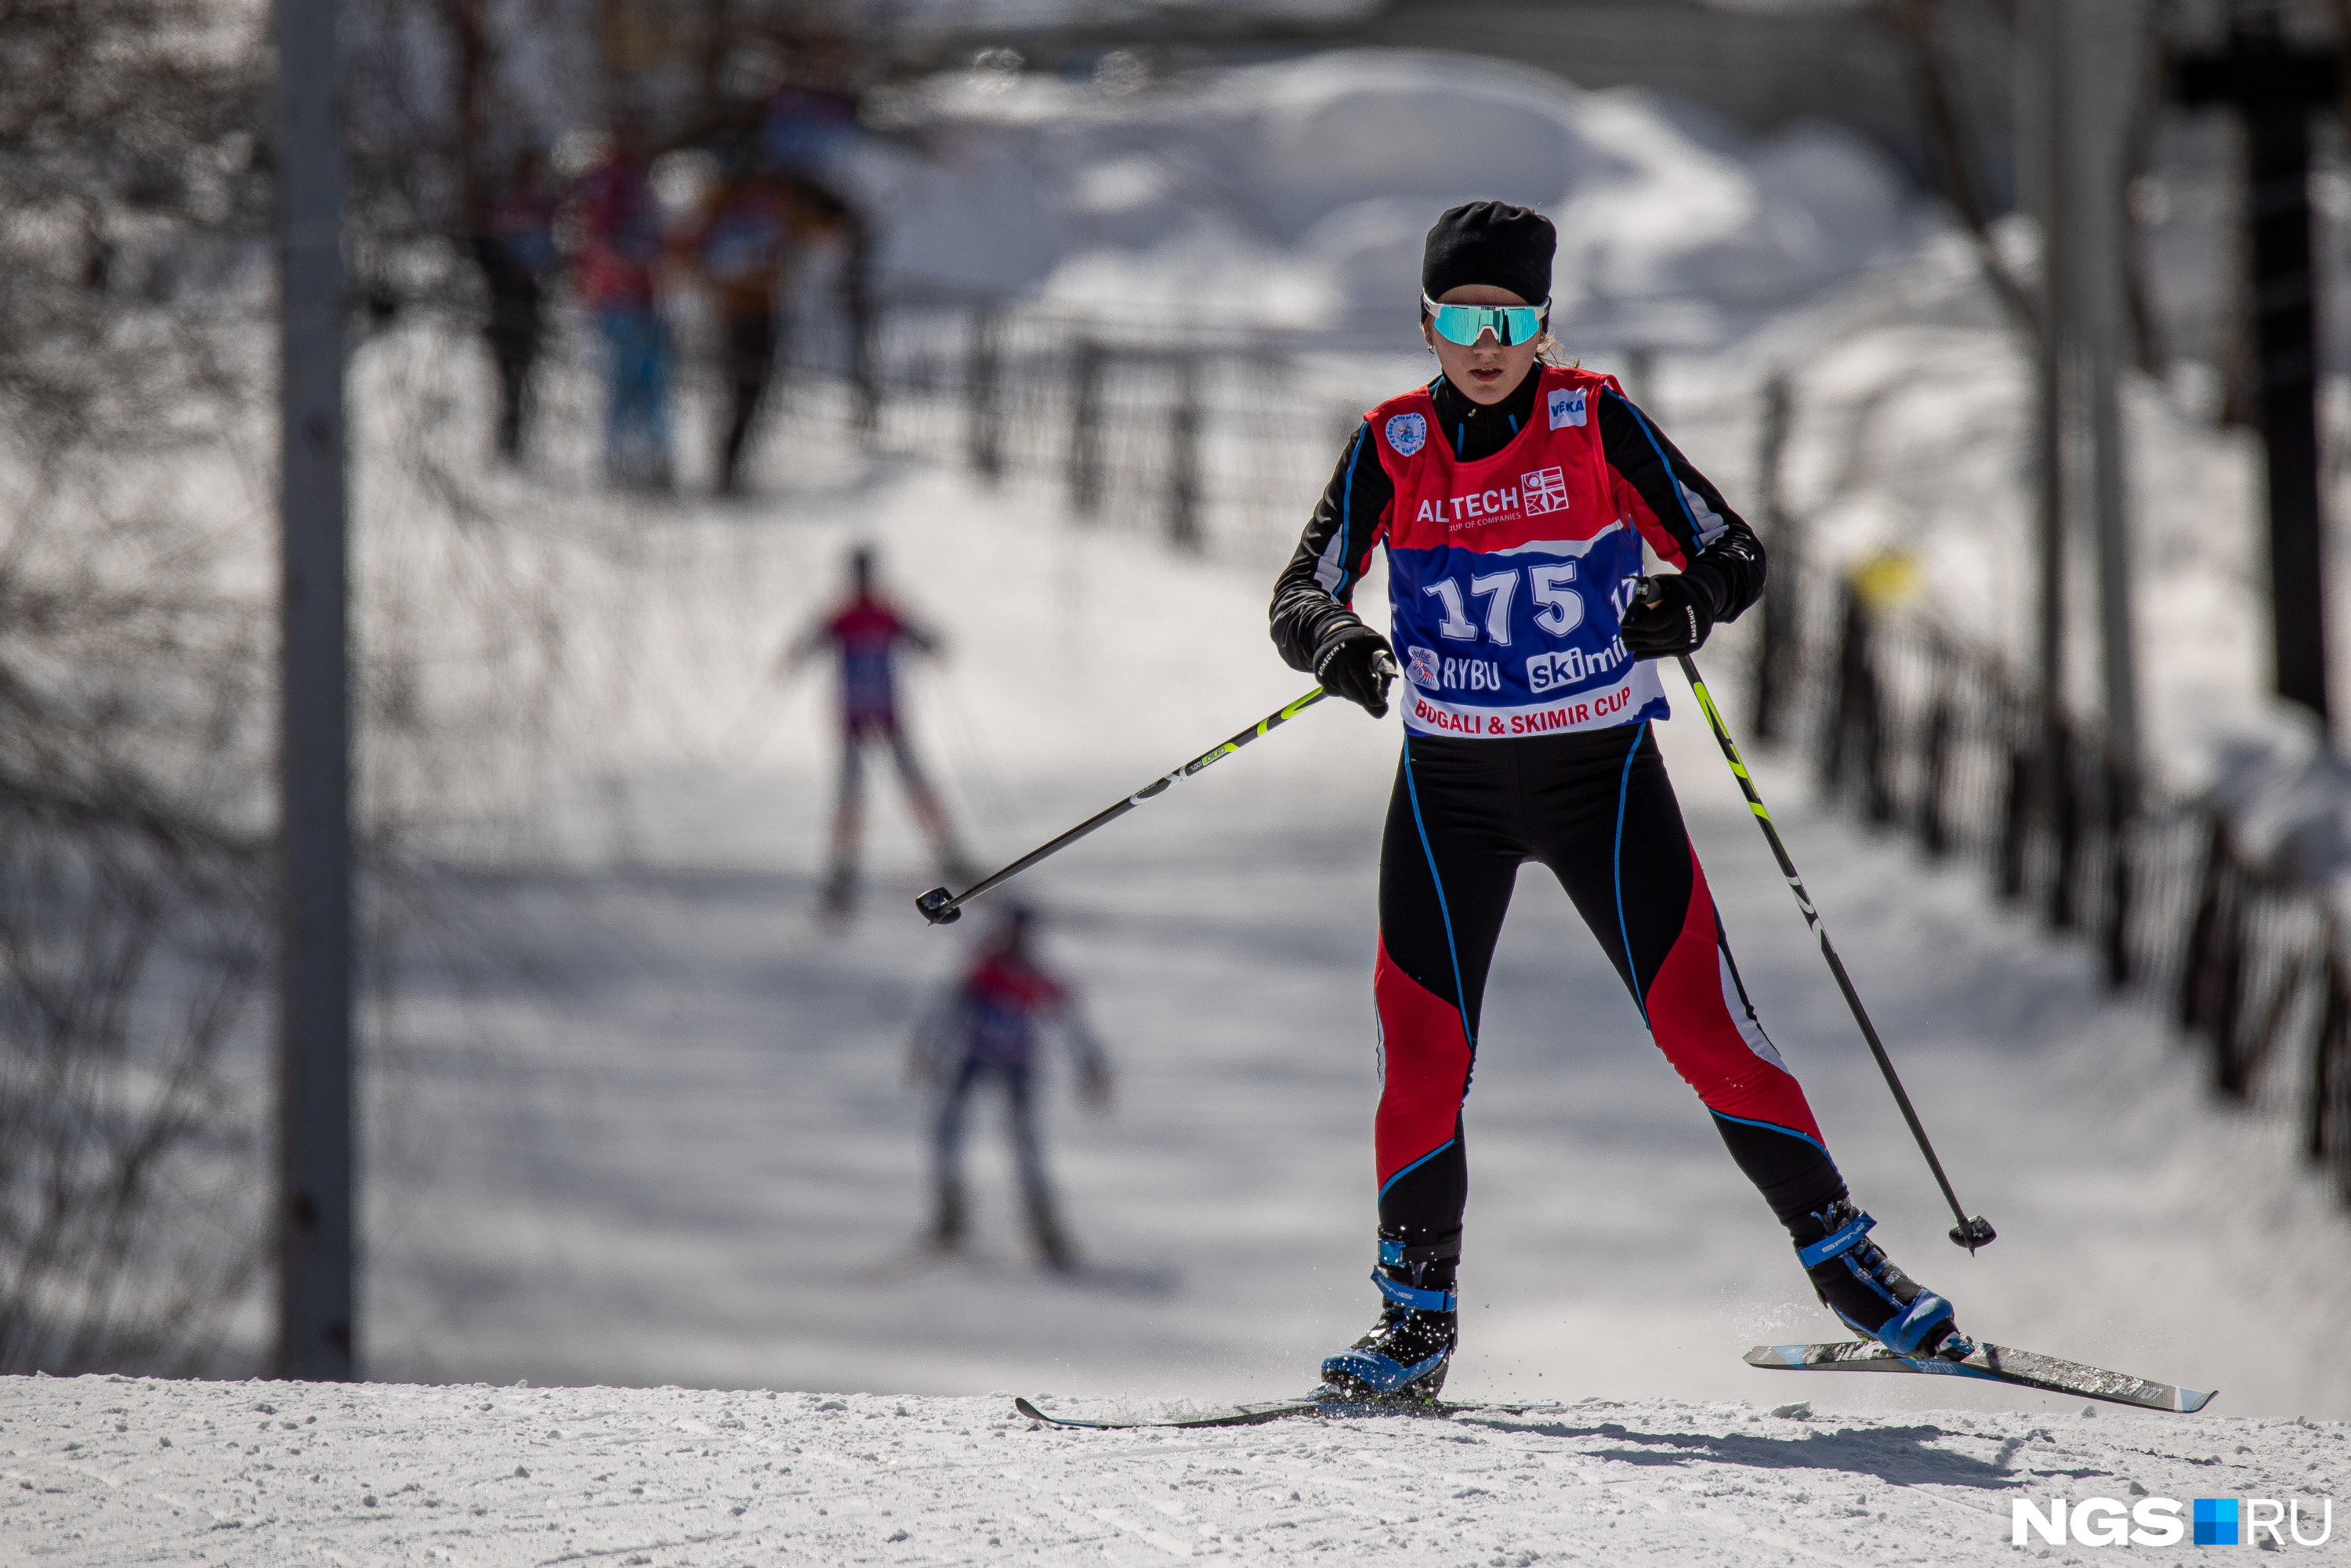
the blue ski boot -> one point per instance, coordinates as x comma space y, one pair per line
1857, 1282
1404, 1358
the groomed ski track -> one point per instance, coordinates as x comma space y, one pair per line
501, 1478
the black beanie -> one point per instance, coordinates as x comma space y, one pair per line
1492, 243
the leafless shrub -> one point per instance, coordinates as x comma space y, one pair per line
132, 201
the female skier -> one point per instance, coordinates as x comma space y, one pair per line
1512, 494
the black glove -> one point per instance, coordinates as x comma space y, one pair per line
1354, 663
1669, 616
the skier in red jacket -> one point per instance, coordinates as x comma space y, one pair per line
867, 631
1512, 495
987, 1026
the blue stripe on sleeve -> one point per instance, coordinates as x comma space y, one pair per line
1671, 477
1347, 509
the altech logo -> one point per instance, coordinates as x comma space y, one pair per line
2159, 1521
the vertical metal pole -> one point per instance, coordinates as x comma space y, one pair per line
2108, 75
2286, 337
316, 1296
2115, 33
2275, 86
2047, 102
2056, 314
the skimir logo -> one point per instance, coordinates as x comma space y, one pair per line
2165, 1520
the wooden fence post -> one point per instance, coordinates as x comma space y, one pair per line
1086, 428
2122, 817
2065, 797
1933, 761
2195, 1005
864, 340
1184, 456
1776, 660
2016, 803
1846, 699
1876, 737
983, 401
2330, 1088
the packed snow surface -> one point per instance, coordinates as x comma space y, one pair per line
109, 1472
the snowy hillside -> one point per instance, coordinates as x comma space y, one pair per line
1695, 260
103, 1473
1297, 193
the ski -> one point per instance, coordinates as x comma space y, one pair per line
1271, 1410
1992, 1363
1227, 1416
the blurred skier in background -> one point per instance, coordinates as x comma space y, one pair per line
737, 244
986, 1026
513, 244
619, 236
867, 631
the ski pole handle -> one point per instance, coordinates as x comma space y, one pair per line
941, 908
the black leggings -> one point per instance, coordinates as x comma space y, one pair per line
1596, 808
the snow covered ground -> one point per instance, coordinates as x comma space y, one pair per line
107, 1472
636, 1118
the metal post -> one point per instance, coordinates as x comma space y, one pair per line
316, 1334
2105, 57
2286, 337
2047, 130
2275, 86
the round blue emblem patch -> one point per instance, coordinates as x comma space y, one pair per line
1407, 433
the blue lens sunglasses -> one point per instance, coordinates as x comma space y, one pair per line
1465, 324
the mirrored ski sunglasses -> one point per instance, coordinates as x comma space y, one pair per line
1465, 324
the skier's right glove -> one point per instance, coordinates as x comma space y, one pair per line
1354, 663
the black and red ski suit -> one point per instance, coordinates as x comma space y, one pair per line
1513, 532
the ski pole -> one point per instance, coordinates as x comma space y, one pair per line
942, 908
1969, 1232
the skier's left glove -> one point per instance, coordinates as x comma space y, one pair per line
1669, 616
1354, 663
